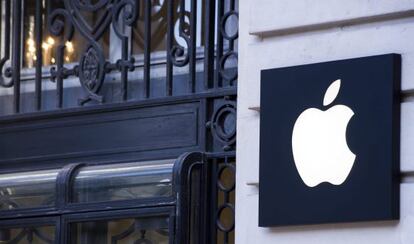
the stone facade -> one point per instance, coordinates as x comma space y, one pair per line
286, 33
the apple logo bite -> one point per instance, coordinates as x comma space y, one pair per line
320, 150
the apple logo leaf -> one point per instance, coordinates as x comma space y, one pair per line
332, 92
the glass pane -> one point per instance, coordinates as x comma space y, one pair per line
28, 235
123, 181
125, 231
74, 47
28, 189
159, 25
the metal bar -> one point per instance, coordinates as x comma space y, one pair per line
213, 199
17, 8
193, 44
201, 231
7, 30
124, 70
147, 48
2, 31
219, 54
59, 79
39, 57
209, 44
170, 36
232, 8
232, 5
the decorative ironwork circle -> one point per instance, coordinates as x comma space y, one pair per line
223, 186
224, 123
219, 223
223, 23
223, 61
91, 70
81, 9
5, 80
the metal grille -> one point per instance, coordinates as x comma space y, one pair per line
126, 50
223, 199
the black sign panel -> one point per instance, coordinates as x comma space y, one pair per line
329, 142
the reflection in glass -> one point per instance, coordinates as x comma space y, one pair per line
123, 181
28, 189
28, 235
151, 230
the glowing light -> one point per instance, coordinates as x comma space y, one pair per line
45, 46
30, 42
69, 47
50, 41
32, 49
48, 46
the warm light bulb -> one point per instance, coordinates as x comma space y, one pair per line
30, 42
69, 46
50, 41
32, 49
45, 46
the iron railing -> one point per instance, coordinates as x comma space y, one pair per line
126, 50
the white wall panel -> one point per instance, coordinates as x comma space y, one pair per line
287, 16
407, 137
387, 232
339, 43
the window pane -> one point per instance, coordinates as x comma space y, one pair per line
28, 189
159, 25
28, 235
74, 47
123, 181
125, 231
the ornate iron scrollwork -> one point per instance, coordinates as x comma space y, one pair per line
91, 73
92, 67
179, 29
228, 18
179, 56
223, 123
128, 17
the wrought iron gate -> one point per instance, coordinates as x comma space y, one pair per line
115, 50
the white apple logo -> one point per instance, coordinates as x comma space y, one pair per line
320, 150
